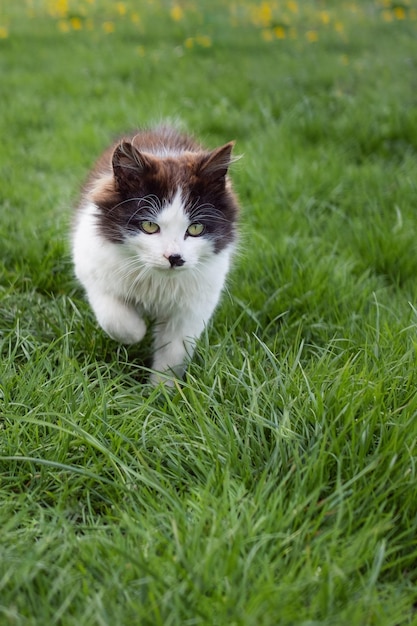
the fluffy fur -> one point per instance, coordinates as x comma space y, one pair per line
154, 234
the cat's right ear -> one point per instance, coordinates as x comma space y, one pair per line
215, 164
129, 165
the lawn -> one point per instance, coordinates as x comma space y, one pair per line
277, 484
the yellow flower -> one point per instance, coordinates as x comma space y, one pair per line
292, 6
58, 8
108, 27
312, 36
76, 23
399, 13
262, 14
204, 41
324, 17
280, 32
177, 13
4, 33
121, 8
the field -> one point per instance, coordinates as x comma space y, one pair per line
277, 484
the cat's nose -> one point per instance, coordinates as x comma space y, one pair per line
176, 260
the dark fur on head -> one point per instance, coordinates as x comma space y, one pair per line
140, 175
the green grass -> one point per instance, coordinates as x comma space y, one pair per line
277, 484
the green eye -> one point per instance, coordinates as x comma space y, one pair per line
150, 228
195, 229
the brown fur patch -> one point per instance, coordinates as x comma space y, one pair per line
153, 165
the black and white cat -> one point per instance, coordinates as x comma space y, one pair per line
154, 235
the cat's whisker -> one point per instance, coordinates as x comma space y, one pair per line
212, 218
122, 202
150, 203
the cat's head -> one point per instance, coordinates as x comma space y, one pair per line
172, 211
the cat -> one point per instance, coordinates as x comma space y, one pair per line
153, 237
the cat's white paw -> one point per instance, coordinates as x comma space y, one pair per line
121, 322
124, 334
131, 329
165, 371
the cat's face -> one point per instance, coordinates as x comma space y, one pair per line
172, 212
169, 237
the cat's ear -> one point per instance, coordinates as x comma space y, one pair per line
129, 164
215, 164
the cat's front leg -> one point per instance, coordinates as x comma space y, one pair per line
174, 345
119, 320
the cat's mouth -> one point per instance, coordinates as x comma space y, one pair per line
175, 269
171, 269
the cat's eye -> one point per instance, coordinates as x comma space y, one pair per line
150, 228
195, 229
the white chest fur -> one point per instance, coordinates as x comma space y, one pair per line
123, 281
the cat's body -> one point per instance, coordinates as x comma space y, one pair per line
154, 235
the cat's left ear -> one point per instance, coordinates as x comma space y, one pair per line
215, 164
129, 165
